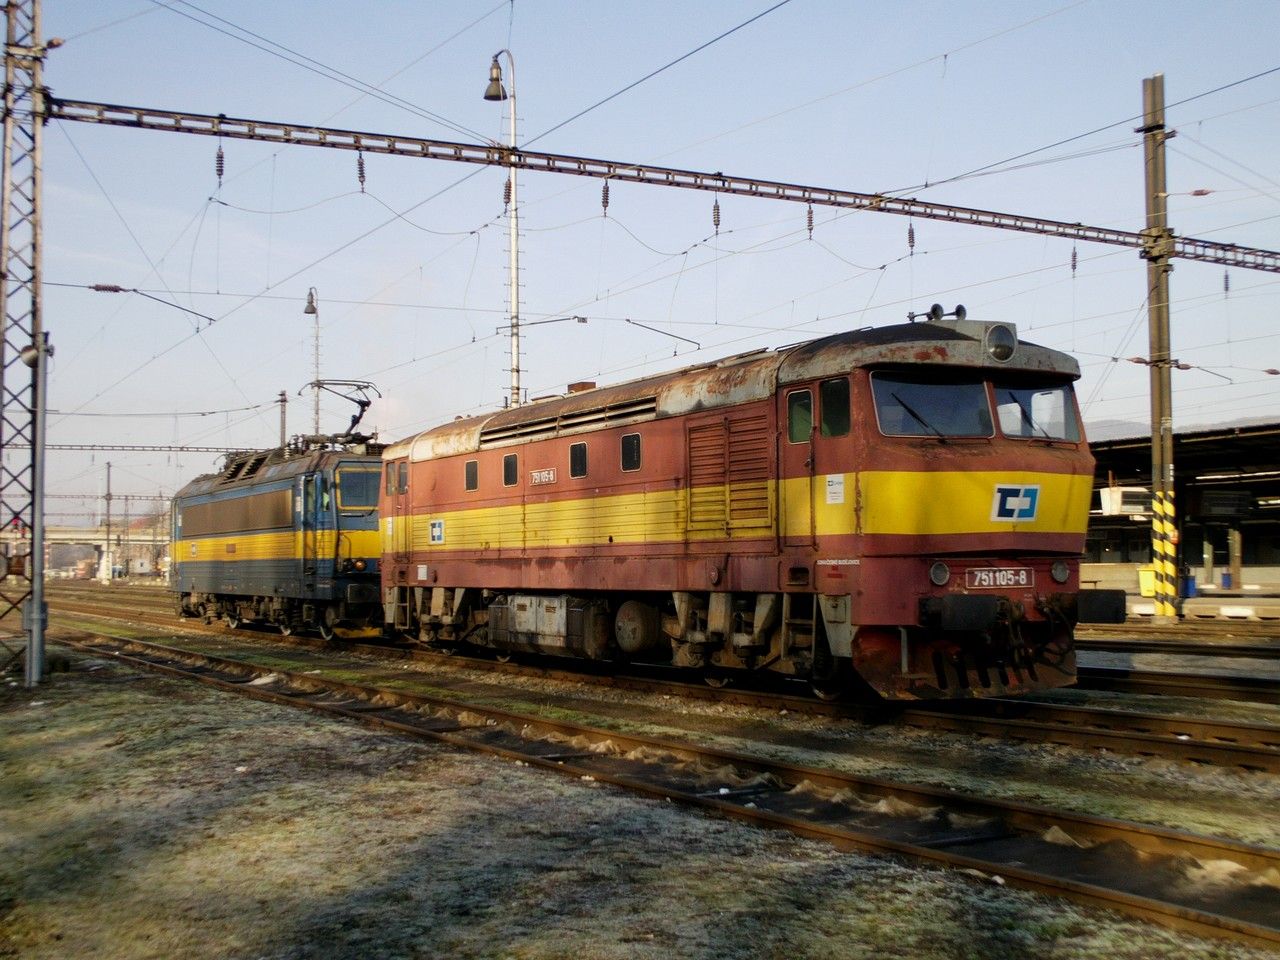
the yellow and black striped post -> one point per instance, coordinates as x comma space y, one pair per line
1164, 553
1158, 249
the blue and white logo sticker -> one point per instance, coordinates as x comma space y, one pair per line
1013, 503
436, 530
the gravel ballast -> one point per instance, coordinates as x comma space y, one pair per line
145, 817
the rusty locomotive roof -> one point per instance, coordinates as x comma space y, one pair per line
737, 379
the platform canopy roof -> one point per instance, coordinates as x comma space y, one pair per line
1244, 458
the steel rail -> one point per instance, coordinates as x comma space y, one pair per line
1187, 647
764, 792
1148, 242
1125, 680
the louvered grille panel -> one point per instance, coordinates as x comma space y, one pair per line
749, 499
729, 471
707, 477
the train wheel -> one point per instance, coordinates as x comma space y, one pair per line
834, 682
325, 623
233, 621
286, 628
717, 681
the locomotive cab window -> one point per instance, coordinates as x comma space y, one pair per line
510, 470
799, 416
577, 460
834, 395
911, 405
1030, 413
402, 484
471, 475
357, 488
391, 479
631, 452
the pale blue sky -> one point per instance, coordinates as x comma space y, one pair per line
862, 96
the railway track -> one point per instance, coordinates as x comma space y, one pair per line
1140, 870
1254, 747
1118, 680
1166, 684
1261, 650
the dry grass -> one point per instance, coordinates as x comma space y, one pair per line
150, 818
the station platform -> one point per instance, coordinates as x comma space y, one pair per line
1258, 606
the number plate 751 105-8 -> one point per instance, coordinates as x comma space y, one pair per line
983, 578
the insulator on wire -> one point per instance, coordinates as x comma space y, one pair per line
604, 198
1226, 283
715, 215
911, 239
811, 221
220, 164
360, 170
506, 193
1075, 260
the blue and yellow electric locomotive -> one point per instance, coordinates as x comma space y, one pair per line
287, 537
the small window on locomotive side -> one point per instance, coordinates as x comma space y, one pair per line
630, 452
472, 475
799, 416
391, 479
577, 460
510, 470
834, 396
403, 485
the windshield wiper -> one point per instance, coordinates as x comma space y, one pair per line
919, 419
1027, 418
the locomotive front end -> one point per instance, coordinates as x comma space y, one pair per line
970, 517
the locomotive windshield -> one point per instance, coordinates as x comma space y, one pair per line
916, 406
357, 487
1047, 413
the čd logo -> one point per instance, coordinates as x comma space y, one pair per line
1014, 502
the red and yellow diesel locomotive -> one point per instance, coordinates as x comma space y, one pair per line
902, 508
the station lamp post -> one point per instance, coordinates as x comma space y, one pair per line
496, 92
313, 309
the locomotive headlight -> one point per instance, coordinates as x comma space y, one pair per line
360, 564
1060, 571
1001, 342
939, 574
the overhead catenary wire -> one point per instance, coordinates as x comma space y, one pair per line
1080, 136
662, 69
310, 64
881, 268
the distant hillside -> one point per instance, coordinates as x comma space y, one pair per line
1098, 430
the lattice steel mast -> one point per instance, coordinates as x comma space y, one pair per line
23, 345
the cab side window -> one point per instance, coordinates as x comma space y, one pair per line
834, 395
799, 416
471, 474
